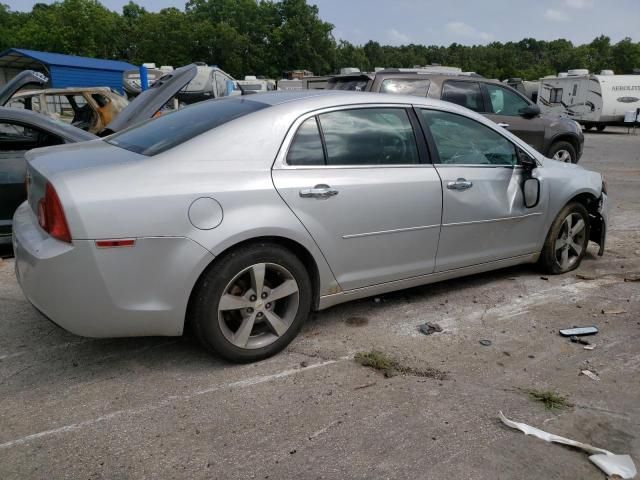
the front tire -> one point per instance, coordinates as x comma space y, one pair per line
566, 243
252, 303
563, 152
601, 128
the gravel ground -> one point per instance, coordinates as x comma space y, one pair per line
72, 407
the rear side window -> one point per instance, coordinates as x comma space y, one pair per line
466, 94
405, 86
172, 129
369, 136
306, 148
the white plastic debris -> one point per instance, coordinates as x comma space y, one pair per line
590, 374
609, 463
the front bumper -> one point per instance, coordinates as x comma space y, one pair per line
112, 292
599, 222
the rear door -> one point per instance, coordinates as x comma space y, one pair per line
504, 106
484, 217
359, 180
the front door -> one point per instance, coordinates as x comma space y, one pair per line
484, 217
358, 180
505, 107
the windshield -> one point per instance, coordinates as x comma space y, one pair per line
174, 128
358, 84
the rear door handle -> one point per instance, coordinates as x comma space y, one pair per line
460, 184
319, 191
504, 125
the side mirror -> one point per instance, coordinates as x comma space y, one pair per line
528, 162
531, 190
530, 111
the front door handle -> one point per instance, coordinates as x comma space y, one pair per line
319, 191
504, 125
460, 184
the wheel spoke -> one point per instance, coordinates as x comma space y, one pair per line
233, 302
257, 277
578, 227
569, 222
560, 243
241, 337
574, 246
288, 287
564, 257
277, 324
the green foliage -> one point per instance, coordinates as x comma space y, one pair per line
269, 37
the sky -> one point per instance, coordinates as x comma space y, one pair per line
442, 22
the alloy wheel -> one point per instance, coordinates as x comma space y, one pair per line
571, 241
258, 305
562, 156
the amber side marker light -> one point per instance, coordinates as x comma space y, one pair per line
128, 242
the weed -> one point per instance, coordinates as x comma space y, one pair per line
391, 367
551, 400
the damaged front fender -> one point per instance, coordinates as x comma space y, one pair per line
598, 222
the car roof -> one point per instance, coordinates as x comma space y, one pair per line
309, 100
38, 120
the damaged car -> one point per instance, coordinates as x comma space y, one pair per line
242, 215
87, 108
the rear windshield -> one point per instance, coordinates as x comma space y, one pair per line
172, 129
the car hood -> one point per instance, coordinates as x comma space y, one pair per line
145, 105
43, 122
27, 77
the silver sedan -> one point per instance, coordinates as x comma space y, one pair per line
242, 215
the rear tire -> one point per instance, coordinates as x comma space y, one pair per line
252, 303
563, 152
588, 127
567, 240
601, 128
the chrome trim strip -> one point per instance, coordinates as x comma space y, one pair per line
384, 232
504, 219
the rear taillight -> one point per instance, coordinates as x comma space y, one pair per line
51, 215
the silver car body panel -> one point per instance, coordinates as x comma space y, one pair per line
369, 239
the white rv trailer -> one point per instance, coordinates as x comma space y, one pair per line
253, 84
591, 100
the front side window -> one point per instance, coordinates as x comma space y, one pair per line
405, 86
466, 94
221, 84
463, 141
505, 102
369, 136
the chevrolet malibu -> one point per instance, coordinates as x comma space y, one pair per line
242, 215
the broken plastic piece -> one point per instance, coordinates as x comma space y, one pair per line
578, 331
581, 341
609, 463
485, 343
589, 347
591, 375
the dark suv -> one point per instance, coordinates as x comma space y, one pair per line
554, 137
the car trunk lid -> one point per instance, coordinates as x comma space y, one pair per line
50, 164
149, 102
